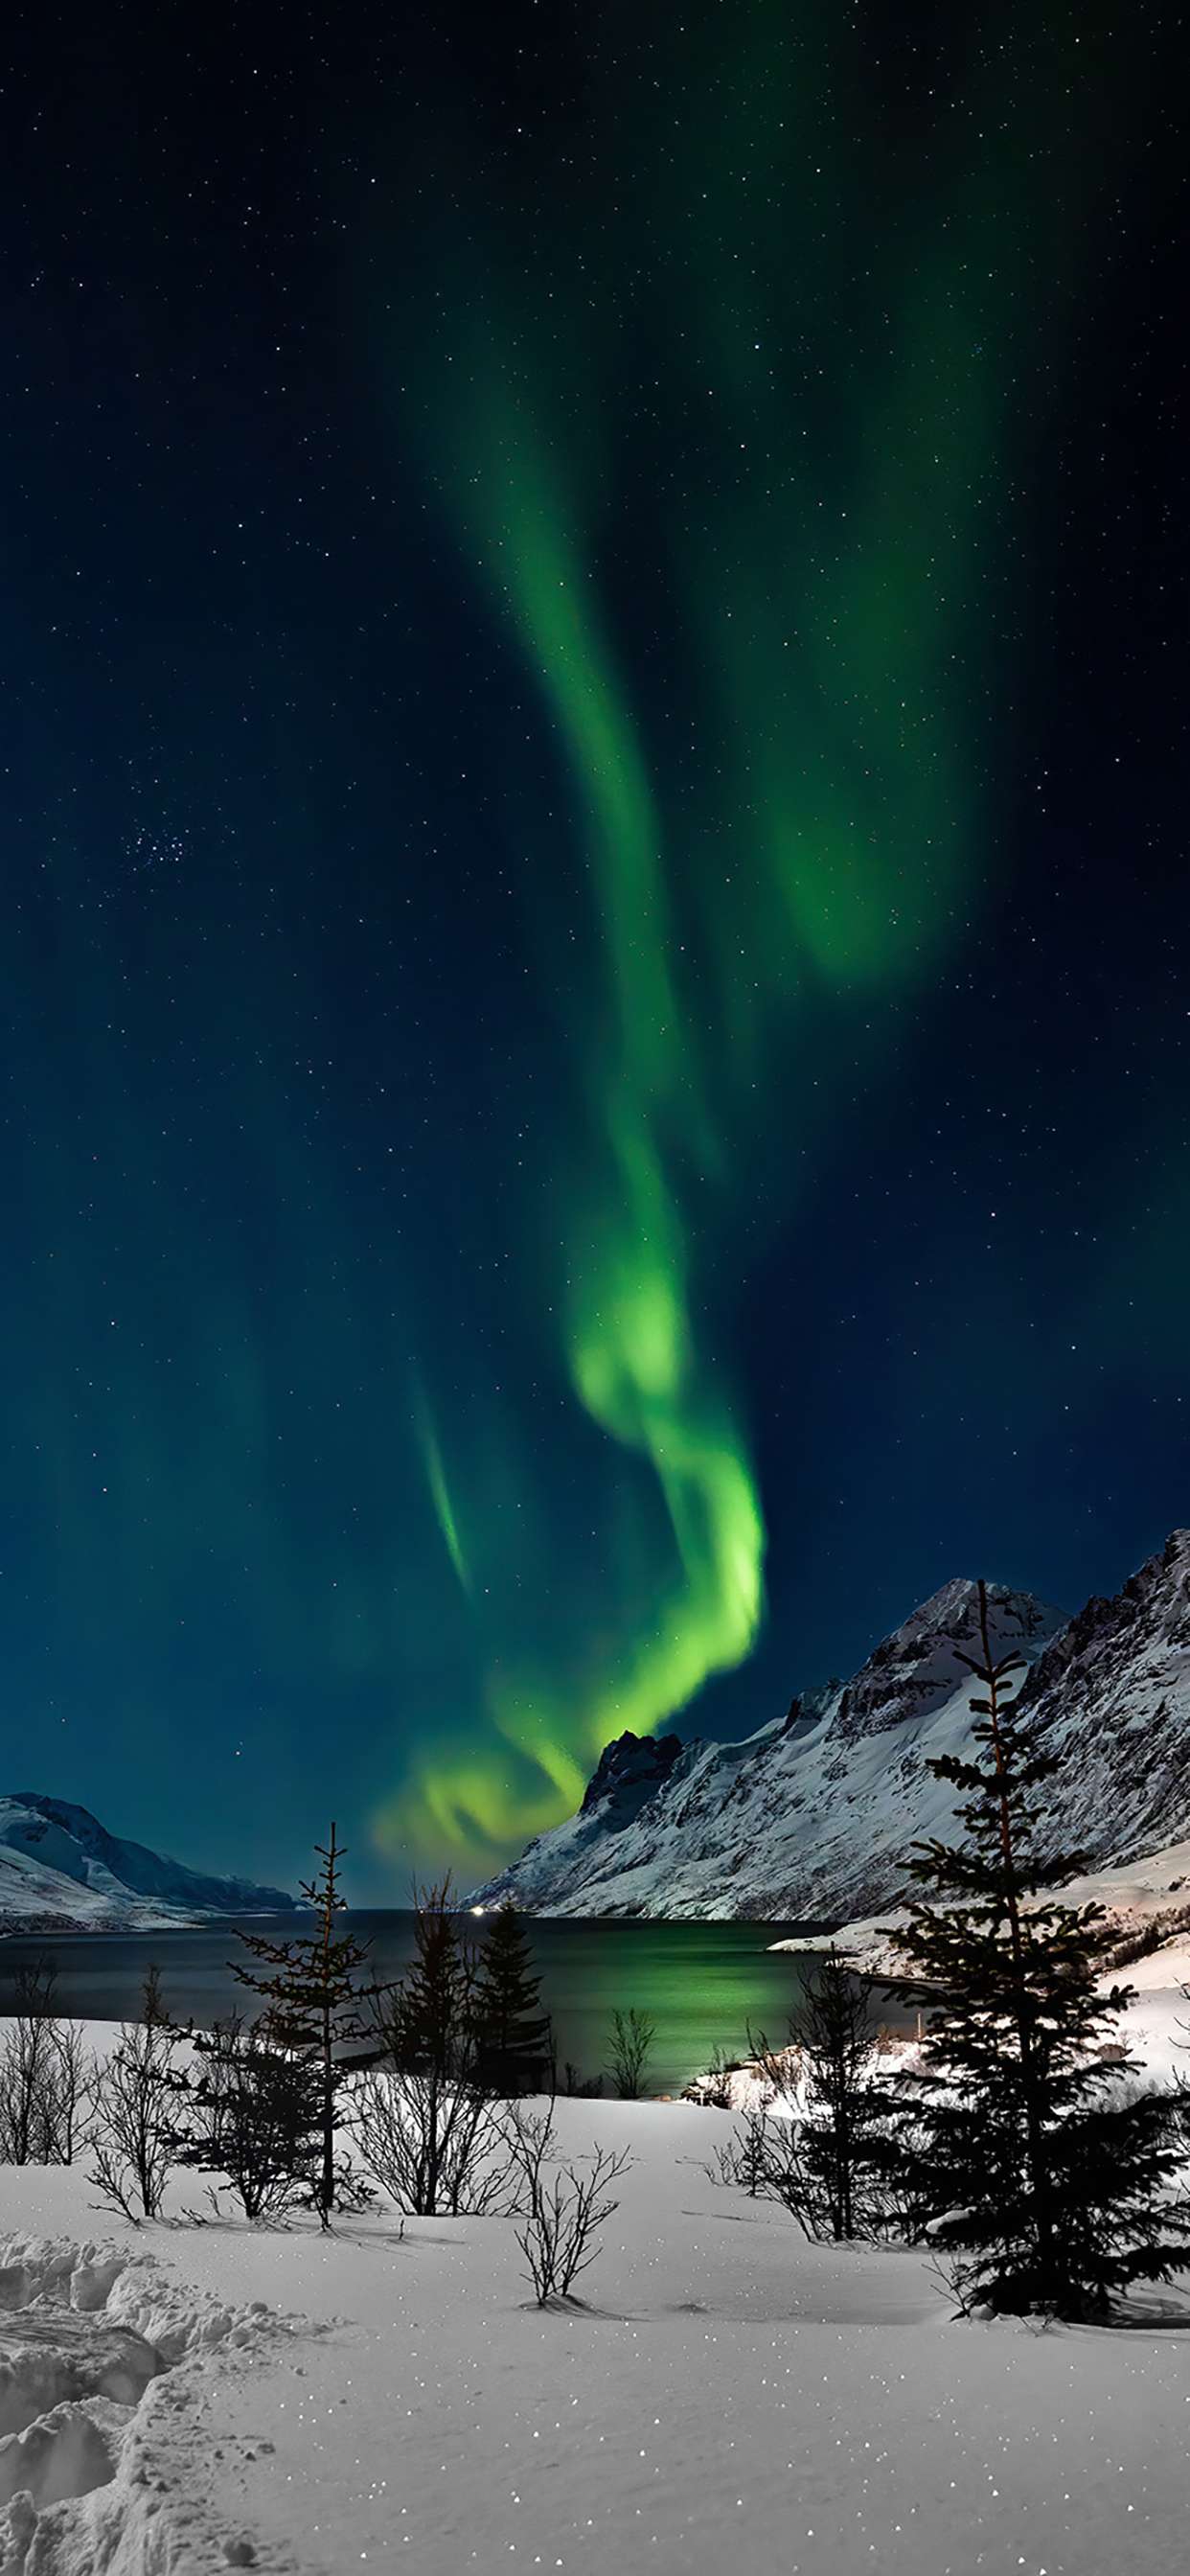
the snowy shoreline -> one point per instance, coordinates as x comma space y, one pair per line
390, 2397
201, 2392
1136, 1895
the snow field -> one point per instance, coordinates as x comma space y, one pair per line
102, 2354
732, 2401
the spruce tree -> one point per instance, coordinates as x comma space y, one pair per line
430, 2026
845, 2158
313, 2003
255, 2114
514, 2040
827, 2143
426, 2128
1054, 2172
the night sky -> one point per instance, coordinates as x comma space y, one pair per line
596, 911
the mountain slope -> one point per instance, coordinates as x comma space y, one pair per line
59, 1866
811, 1816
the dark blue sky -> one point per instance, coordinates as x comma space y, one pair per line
594, 784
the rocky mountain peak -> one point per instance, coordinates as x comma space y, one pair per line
1148, 1616
919, 1666
630, 1769
812, 1817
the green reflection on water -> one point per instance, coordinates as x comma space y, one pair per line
702, 1984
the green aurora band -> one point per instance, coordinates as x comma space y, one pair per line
854, 334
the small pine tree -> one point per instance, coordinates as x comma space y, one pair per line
1056, 2195
256, 2114
632, 2037
313, 2000
838, 2163
431, 2025
514, 2042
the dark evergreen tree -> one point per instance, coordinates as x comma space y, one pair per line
514, 2045
827, 2142
256, 2108
311, 1987
1054, 2174
836, 2162
429, 2025
632, 2037
426, 2127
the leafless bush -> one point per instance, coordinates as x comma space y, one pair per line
717, 2088
746, 2160
424, 2122
585, 2088
1147, 1937
435, 2142
136, 2131
43, 2075
559, 2212
762, 2158
71, 2093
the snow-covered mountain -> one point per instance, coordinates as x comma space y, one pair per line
810, 1817
61, 1870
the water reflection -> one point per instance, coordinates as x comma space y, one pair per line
702, 1984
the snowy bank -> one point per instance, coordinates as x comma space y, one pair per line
388, 2398
1137, 1896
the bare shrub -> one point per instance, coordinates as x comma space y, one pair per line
423, 2116
43, 2075
70, 2095
135, 2131
713, 2089
747, 2160
559, 2212
1147, 1937
435, 2141
584, 2088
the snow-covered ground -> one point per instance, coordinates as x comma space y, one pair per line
1136, 1896
730, 2399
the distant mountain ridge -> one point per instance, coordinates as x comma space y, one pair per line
810, 1818
60, 1868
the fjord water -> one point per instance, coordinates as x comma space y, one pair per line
702, 1984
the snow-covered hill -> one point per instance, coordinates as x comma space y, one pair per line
1142, 1898
61, 1870
810, 1817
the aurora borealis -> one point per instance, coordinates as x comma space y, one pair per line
595, 893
